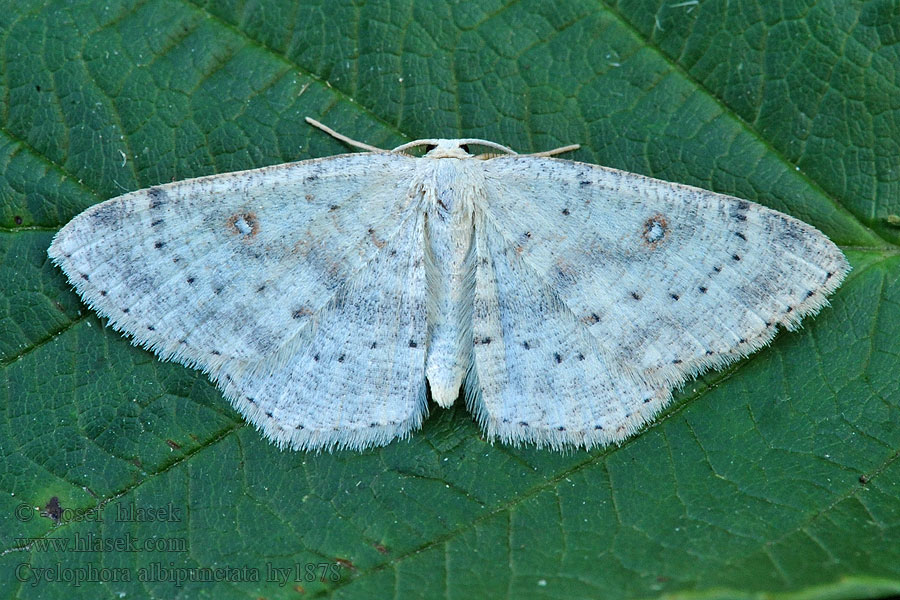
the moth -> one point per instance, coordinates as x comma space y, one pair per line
327, 297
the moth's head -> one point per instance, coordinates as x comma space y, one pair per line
440, 148
447, 149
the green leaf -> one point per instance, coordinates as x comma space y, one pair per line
778, 477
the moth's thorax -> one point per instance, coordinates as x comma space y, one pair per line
450, 189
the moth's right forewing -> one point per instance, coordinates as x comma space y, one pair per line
669, 279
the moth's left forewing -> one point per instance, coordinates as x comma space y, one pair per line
232, 266
669, 279
298, 288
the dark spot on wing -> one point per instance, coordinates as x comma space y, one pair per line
190, 280
157, 198
557, 357
441, 196
85, 276
737, 213
126, 310
566, 212
717, 269
378, 243
341, 358
333, 207
735, 257
159, 245
677, 361
584, 183
580, 356
565, 275
155, 222
151, 328
656, 228
244, 224
260, 288
108, 213
635, 295
674, 296
703, 290
483, 340
526, 345
740, 235
216, 353
373, 346
316, 357
412, 344
103, 292
301, 312
590, 319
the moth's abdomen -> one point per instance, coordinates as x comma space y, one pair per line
450, 278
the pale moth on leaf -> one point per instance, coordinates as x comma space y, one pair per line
566, 299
